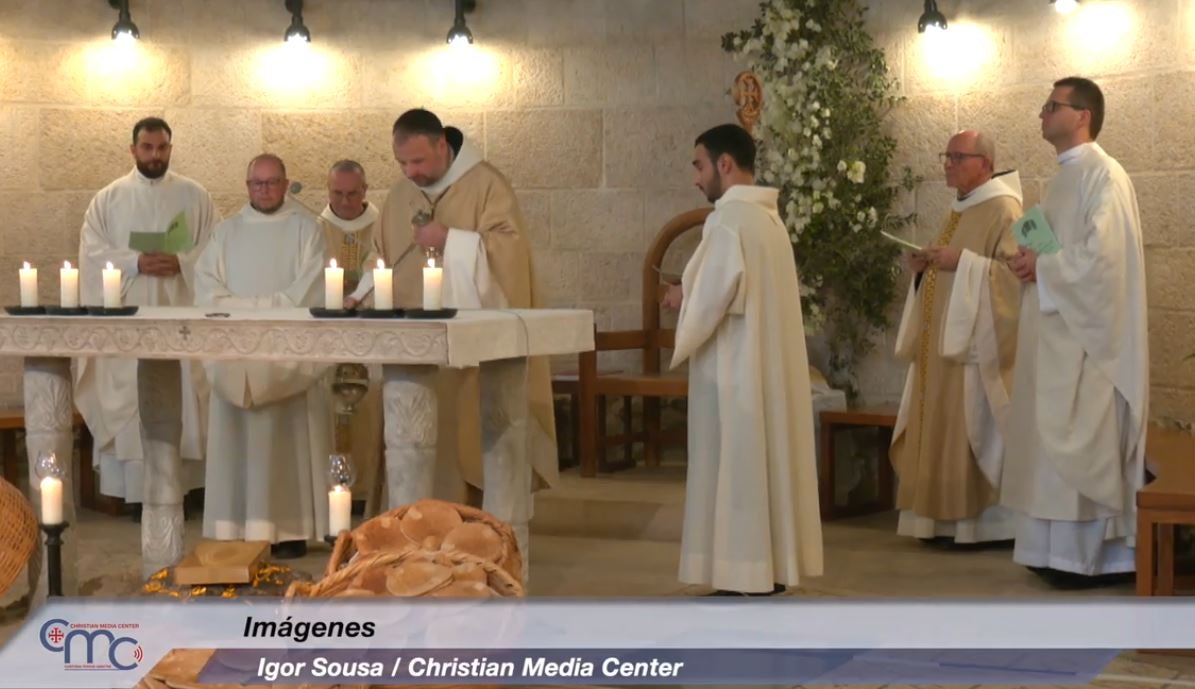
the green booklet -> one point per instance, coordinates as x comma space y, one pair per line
1033, 232
175, 240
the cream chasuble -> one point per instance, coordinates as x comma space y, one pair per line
487, 264
270, 429
1080, 393
350, 242
958, 333
751, 500
106, 389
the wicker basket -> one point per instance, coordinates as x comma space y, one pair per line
20, 537
350, 545
497, 578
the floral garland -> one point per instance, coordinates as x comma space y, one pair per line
826, 91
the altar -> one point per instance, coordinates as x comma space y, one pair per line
410, 351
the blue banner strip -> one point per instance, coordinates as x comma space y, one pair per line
661, 666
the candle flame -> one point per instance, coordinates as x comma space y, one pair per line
431, 263
332, 263
109, 266
66, 265
339, 488
381, 264
26, 265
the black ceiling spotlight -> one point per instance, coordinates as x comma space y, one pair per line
124, 28
297, 31
931, 18
460, 34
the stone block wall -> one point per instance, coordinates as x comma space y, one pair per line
993, 70
590, 106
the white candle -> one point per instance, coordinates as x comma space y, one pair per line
333, 286
383, 287
432, 278
340, 503
28, 285
68, 286
51, 500
111, 287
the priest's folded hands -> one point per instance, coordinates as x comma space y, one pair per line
944, 258
1024, 265
158, 264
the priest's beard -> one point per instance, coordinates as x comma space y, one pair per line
714, 188
153, 169
267, 211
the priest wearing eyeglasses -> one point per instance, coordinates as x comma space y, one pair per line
1081, 386
958, 336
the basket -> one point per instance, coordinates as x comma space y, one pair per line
20, 538
383, 533
342, 580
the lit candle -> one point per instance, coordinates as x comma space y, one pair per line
51, 500
28, 285
333, 286
432, 278
68, 281
383, 287
340, 503
111, 287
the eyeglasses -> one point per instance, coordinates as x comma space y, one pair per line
260, 184
1053, 105
957, 158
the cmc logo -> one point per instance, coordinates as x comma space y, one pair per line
92, 646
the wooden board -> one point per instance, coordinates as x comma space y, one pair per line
221, 562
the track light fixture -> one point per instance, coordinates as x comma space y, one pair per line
460, 34
931, 18
124, 29
297, 31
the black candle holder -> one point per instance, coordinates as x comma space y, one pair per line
54, 555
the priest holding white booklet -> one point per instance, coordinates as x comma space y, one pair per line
958, 336
1080, 395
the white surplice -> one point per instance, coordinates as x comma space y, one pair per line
106, 389
1081, 386
270, 425
751, 500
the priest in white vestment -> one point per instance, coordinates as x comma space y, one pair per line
958, 334
752, 523
1075, 456
120, 226
456, 204
270, 424
348, 222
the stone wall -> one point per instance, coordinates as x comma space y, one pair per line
590, 106
993, 71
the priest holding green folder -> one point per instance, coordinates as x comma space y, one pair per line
151, 224
1080, 392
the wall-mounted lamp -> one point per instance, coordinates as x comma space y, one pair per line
297, 31
460, 34
124, 29
1064, 6
931, 18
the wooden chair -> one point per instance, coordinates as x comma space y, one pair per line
652, 384
1167, 501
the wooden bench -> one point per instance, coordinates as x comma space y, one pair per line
12, 422
833, 421
1167, 501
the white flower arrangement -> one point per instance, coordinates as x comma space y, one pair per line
825, 92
